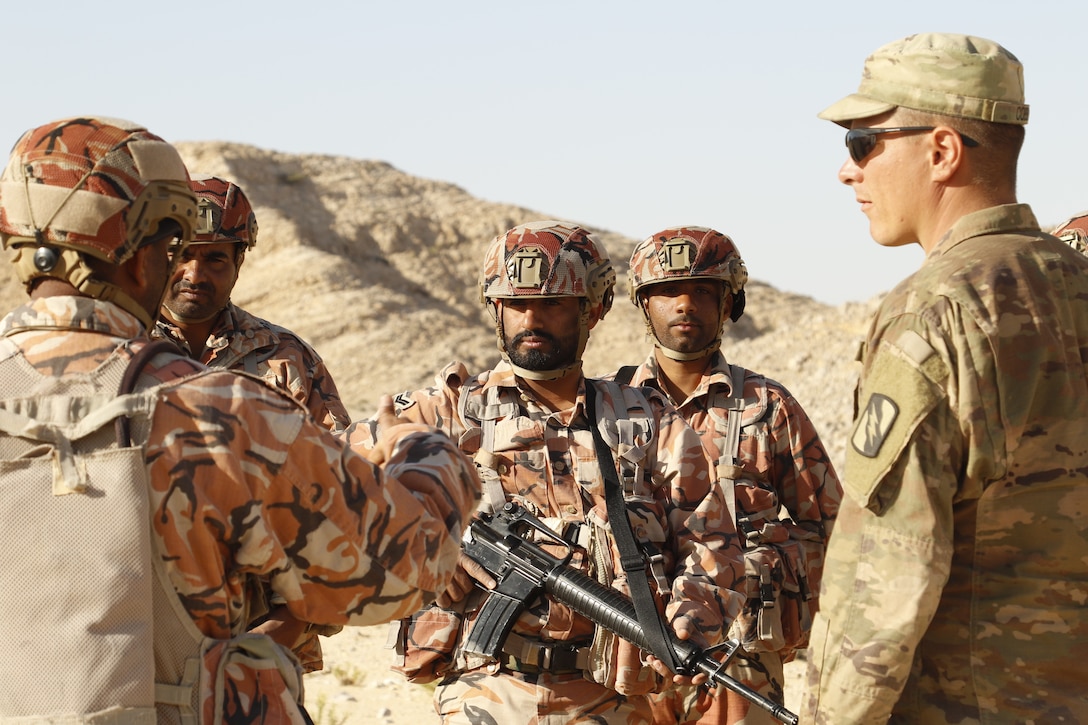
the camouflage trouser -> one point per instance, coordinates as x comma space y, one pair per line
480, 697
689, 705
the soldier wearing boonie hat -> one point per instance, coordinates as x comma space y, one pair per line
967, 460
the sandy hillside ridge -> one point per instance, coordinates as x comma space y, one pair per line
377, 270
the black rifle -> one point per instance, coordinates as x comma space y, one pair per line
499, 543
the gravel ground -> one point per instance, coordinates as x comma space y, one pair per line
358, 688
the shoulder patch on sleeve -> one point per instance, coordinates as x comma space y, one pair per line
403, 401
873, 425
904, 383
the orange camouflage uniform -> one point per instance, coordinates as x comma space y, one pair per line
546, 461
787, 479
244, 485
244, 342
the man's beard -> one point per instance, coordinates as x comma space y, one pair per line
192, 312
563, 351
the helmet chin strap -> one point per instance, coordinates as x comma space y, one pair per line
542, 374
112, 293
685, 356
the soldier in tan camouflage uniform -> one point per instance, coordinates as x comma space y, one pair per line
688, 281
160, 506
525, 422
199, 317
957, 573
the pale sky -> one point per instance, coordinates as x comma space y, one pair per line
630, 116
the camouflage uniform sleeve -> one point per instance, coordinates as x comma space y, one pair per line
809, 486
298, 369
803, 476
324, 401
342, 539
435, 406
890, 555
709, 567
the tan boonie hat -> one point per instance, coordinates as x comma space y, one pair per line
955, 75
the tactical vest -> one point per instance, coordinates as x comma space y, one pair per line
427, 645
777, 614
482, 411
629, 436
114, 645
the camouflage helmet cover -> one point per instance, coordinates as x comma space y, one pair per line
547, 259
94, 185
224, 213
1074, 232
688, 253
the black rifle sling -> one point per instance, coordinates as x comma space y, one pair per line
631, 558
626, 374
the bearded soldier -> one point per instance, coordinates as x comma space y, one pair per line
530, 423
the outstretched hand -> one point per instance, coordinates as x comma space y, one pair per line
386, 419
283, 627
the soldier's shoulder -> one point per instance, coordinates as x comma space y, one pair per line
230, 388
283, 336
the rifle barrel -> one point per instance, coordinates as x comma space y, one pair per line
616, 613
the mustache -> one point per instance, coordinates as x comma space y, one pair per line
184, 286
534, 333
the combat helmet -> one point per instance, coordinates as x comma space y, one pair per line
683, 253
90, 186
224, 213
1074, 232
547, 259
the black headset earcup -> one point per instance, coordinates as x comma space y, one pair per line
738, 306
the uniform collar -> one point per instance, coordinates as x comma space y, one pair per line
72, 312
717, 372
1004, 219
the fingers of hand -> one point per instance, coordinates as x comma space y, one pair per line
478, 573
387, 414
465, 578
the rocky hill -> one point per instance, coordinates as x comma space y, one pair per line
377, 269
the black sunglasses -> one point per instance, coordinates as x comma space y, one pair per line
862, 141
